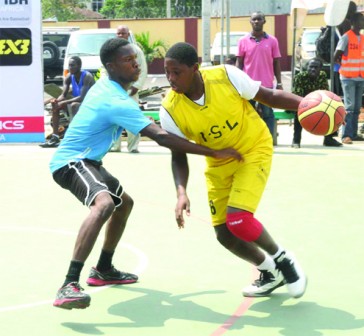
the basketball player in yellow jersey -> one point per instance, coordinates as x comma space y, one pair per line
211, 107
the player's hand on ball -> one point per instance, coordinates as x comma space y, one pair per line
183, 204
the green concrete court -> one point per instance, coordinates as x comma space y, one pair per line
189, 285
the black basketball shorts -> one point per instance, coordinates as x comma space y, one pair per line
86, 179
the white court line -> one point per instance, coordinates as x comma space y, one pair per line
143, 263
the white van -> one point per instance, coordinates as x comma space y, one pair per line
87, 44
215, 51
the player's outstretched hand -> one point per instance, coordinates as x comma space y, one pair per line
228, 153
183, 204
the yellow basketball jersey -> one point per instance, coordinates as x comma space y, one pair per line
225, 120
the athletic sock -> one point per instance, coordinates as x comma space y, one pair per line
268, 264
278, 253
104, 263
74, 272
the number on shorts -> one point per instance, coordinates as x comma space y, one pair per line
212, 208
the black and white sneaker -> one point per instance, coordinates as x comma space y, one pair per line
295, 279
52, 142
266, 284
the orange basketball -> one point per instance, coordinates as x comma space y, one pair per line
321, 112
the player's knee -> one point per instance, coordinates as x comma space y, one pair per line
243, 225
127, 201
103, 206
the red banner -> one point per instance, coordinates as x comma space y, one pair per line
21, 124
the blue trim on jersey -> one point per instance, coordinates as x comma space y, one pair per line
106, 110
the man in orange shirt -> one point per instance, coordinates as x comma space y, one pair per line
350, 53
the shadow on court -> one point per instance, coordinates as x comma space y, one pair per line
304, 318
155, 308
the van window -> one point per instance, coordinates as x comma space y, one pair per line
310, 37
234, 39
88, 44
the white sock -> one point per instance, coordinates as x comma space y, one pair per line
278, 253
268, 264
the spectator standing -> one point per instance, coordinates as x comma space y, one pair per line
304, 83
79, 81
323, 44
350, 54
258, 55
133, 139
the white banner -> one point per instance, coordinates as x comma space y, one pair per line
299, 9
21, 72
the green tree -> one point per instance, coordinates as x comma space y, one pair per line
63, 10
151, 50
113, 9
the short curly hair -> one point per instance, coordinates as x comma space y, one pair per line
77, 60
110, 48
184, 53
315, 59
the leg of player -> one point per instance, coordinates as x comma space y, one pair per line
105, 273
270, 278
275, 267
294, 277
70, 295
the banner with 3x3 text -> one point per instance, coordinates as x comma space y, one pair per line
21, 77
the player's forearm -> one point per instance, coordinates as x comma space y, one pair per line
176, 143
180, 172
278, 99
286, 100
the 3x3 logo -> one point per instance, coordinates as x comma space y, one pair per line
15, 47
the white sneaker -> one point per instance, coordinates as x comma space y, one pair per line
266, 284
295, 279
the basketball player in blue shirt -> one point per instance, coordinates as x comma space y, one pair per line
76, 166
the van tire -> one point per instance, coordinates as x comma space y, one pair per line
52, 49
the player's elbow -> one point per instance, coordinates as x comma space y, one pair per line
162, 138
154, 132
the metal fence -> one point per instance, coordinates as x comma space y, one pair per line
160, 12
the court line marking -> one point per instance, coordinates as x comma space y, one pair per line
143, 262
242, 308
239, 312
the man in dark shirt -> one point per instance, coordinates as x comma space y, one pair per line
304, 83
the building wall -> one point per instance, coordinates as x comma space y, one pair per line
190, 29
